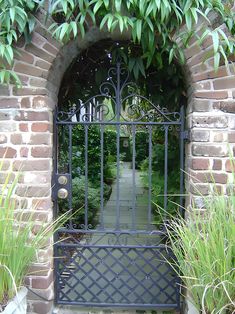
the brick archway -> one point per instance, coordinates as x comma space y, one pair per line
26, 129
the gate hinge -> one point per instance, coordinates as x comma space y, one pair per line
184, 135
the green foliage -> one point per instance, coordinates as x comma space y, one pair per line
16, 19
153, 24
93, 170
163, 84
78, 200
158, 160
205, 252
141, 147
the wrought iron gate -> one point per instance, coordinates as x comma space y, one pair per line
110, 253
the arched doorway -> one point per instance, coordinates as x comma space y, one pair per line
114, 145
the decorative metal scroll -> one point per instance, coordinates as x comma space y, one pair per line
118, 100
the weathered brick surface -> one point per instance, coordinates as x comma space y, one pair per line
32, 165
32, 116
25, 102
7, 152
224, 83
42, 307
30, 70
25, 91
9, 103
41, 152
200, 163
211, 94
217, 164
41, 127
216, 122
200, 135
210, 150
208, 177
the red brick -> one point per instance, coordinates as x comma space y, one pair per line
41, 152
42, 282
231, 137
209, 150
32, 116
208, 177
211, 94
43, 64
226, 106
218, 121
9, 103
42, 307
16, 139
38, 40
25, 102
7, 152
38, 82
222, 72
200, 189
33, 191
230, 166
24, 152
49, 48
42, 204
217, 164
24, 56
32, 165
30, 70
42, 102
42, 54
23, 127
40, 139
224, 83
200, 164
28, 91
41, 127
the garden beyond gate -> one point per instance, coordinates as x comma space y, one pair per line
112, 252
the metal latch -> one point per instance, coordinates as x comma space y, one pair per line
62, 186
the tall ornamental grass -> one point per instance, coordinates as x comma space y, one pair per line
19, 240
204, 246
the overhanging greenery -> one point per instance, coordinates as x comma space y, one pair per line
155, 24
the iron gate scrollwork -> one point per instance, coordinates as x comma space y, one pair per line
113, 254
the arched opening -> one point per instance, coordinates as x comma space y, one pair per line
120, 154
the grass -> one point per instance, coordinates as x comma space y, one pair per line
19, 239
204, 247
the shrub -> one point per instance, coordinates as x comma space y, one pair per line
204, 248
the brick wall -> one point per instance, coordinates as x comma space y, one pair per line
26, 130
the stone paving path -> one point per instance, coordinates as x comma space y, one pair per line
128, 207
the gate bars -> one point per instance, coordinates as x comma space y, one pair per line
122, 262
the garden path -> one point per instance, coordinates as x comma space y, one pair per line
128, 207
123, 270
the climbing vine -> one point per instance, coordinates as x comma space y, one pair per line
154, 24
